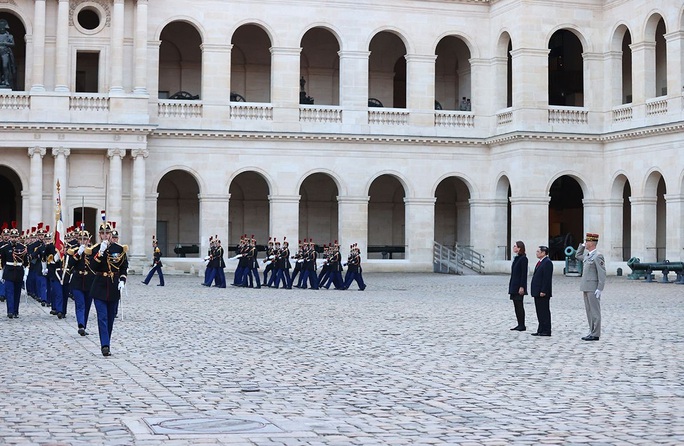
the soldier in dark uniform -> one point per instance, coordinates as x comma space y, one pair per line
299, 261
31, 243
220, 269
354, 269
81, 280
309, 267
156, 264
335, 268
13, 258
252, 265
325, 267
4, 240
109, 263
55, 278
269, 262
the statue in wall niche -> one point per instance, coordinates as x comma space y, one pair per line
8, 70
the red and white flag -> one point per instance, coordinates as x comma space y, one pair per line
59, 225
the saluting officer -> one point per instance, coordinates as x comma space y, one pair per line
592, 283
81, 280
109, 263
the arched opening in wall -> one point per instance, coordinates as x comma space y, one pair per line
318, 210
387, 70
661, 222
178, 212
88, 218
386, 219
626, 222
250, 73
660, 60
320, 68
10, 198
626, 68
452, 74
566, 73
452, 213
249, 211
502, 219
509, 75
180, 62
566, 216
15, 38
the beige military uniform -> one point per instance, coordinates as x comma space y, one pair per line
593, 278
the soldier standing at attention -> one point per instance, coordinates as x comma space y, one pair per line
81, 281
13, 258
156, 263
593, 281
4, 240
109, 263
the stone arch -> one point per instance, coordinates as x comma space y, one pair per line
567, 192
453, 74
387, 77
249, 209
320, 67
180, 59
178, 210
621, 39
504, 47
265, 27
452, 212
250, 74
620, 217
655, 224
11, 204
387, 217
566, 67
502, 216
318, 208
18, 30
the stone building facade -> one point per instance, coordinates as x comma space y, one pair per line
393, 124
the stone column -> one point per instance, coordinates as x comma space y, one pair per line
611, 238
138, 233
116, 64
215, 92
213, 220
353, 222
530, 220
35, 198
38, 51
420, 82
643, 71
613, 72
498, 91
420, 231
140, 42
62, 57
644, 219
531, 85
481, 92
488, 239
284, 217
593, 215
675, 69
285, 73
593, 75
354, 87
60, 155
115, 188
675, 233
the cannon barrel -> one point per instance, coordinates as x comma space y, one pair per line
655, 266
570, 251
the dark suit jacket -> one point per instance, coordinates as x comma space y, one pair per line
518, 275
541, 279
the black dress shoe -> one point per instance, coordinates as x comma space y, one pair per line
544, 334
143, 282
105, 351
519, 328
590, 338
535, 334
10, 316
60, 316
53, 312
161, 284
81, 331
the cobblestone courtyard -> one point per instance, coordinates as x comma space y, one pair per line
414, 359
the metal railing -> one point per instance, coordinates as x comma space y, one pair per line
454, 261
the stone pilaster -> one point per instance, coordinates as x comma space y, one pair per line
420, 231
420, 80
116, 65
62, 57
285, 72
35, 198
530, 220
644, 217
213, 219
114, 198
487, 239
354, 87
353, 222
139, 236
38, 51
60, 154
284, 217
140, 42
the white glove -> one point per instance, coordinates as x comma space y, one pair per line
103, 247
597, 293
57, 257
2, 273
206, 258
25, 274
122, 285
81, 249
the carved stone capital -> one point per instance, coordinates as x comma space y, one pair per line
37, 151
57, 151
140, 152
111, 153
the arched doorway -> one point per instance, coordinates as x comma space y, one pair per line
10, 198
566, 72
180, 62
452, 213
452, 73
566, 216
249, 211
178, 212
386, 219
250, 73
318, 210
320, 66
387, 70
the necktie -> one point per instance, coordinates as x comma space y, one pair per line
538, 263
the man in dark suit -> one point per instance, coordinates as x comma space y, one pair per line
540, 289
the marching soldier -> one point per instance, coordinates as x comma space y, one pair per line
354, 269
109, 263
4, 240
81, 280
252, 265
156, 264
13, 258
269, 261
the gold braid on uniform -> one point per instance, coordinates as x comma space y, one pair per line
114, 263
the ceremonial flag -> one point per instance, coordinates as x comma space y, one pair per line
103, 215
59, 224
